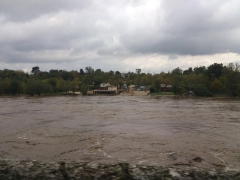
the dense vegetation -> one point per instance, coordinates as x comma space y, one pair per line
215, 79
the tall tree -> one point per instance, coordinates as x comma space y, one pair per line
157, 85
117, 72
138, 71
232, 74
199, 70
188, 71
89, 70
214, 70
15, 87
177, 71
81, 72
98, 71
35, 69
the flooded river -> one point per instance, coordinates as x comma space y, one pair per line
167, 131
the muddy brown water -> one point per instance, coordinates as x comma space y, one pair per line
167, 131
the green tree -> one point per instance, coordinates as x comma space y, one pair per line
111, 73
137, 80
61, 86
1, 87
201, 90
188, 71
157, 85
144, 81
15, 87
38, 87
67, 76
84, 89
87, 79
82, 72
177, 71
128, 82
216, 86
199, 70
117, 73
6, 86
214, 70
98, 79
98, 71
53, 83
232, 75
35, 69
89, 70
138, 71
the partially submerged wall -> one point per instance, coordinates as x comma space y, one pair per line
15, 169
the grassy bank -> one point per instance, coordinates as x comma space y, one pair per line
163, 94
221, 95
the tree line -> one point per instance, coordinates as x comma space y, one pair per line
202, 81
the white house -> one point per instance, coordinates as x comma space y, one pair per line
104, 85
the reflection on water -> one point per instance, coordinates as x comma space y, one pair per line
141, 130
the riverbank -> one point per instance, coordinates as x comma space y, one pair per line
123, 95
163, 94
171, 94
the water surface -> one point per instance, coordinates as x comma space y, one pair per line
168, 131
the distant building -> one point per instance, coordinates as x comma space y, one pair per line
105, 85
113, 88
166, 87
106, 89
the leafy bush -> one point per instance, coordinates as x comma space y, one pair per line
201, 90
152, 90
38, 87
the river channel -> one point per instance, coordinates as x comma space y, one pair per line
166, 131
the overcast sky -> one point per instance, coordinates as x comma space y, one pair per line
153, 35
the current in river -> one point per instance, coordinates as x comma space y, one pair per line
166, 131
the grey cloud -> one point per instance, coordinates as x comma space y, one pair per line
106, 30
172, 57
8, 55
24, 10
191, 27
43, 35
